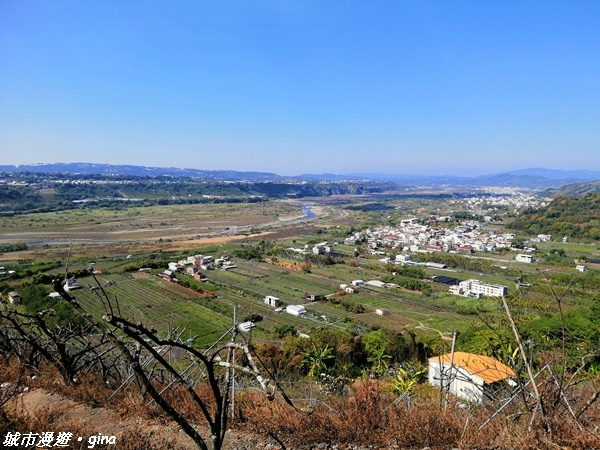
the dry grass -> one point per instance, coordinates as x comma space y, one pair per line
367, 417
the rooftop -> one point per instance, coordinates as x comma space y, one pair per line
485, 367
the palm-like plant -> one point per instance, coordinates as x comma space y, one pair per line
406, 380
315, 359
379, 361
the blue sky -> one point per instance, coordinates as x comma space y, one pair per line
291, 87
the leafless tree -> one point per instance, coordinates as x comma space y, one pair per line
147, 354
74, 350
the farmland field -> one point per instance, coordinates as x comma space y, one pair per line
142, 297
156, 303
108, 236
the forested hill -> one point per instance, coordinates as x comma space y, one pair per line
564, 216
28, 192
575, 190
140, 171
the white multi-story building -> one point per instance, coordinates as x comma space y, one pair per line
402, 259
476, 288
521, 257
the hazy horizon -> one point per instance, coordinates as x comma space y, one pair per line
565, 172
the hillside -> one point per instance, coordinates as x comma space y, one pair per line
564, 216
577, 190
46, 191
139, 171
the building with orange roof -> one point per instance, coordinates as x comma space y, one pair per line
472, 377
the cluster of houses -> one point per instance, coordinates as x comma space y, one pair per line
294, 310
507, 198
352, 287
322, 248
196, 265
415, 237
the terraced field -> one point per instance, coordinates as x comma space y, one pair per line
153, 302
164, 305
408, 309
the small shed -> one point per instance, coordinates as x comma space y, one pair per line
174, 266
351, 289
199, 276
72, 284
272, 301
296, 310
14, 298
469, 376
433, 265
382, 312
521, 257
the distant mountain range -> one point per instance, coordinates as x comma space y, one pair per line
141, 171
534, 178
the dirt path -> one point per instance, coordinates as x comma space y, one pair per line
55, 413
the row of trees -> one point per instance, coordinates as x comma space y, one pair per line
470, 264
267, 249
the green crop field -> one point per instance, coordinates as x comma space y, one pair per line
148, 300
408, 309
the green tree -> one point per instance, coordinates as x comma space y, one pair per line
376, 346
285, 330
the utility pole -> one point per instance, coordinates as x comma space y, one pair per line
451, 369
233, 365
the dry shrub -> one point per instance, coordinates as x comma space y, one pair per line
39, 411
363, 417
180, 398
257, 414
369, 418
366, 418
424, 425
